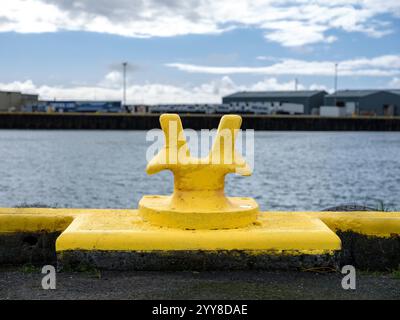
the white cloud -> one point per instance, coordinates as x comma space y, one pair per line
108, 89
395, 83
267, 58
288, 22
297, 33
387, 65
112, 79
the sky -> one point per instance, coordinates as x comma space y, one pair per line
196, 51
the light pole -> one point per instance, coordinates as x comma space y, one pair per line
336, 81
296, 84
124, 65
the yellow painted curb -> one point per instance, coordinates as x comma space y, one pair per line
12, 220
380, 224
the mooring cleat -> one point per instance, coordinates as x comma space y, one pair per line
198, 200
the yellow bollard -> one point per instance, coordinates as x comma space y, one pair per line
199, 201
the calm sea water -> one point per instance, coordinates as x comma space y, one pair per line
105, 169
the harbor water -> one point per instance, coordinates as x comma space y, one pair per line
106, 169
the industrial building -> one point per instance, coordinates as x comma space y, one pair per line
16, 101
76, 106
363, 102
204, 108
298, 102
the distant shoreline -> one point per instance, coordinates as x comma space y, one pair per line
115, 121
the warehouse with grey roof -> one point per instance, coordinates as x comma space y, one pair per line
367, 102
310, 99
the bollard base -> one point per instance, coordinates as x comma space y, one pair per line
129, 232
126, 242
235, 213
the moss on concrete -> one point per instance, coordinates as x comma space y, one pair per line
28, 248
192, 260
369, 252
364, 252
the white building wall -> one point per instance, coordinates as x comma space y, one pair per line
332, 111
292, 108
350, 108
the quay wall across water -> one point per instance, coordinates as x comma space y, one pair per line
77, 121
